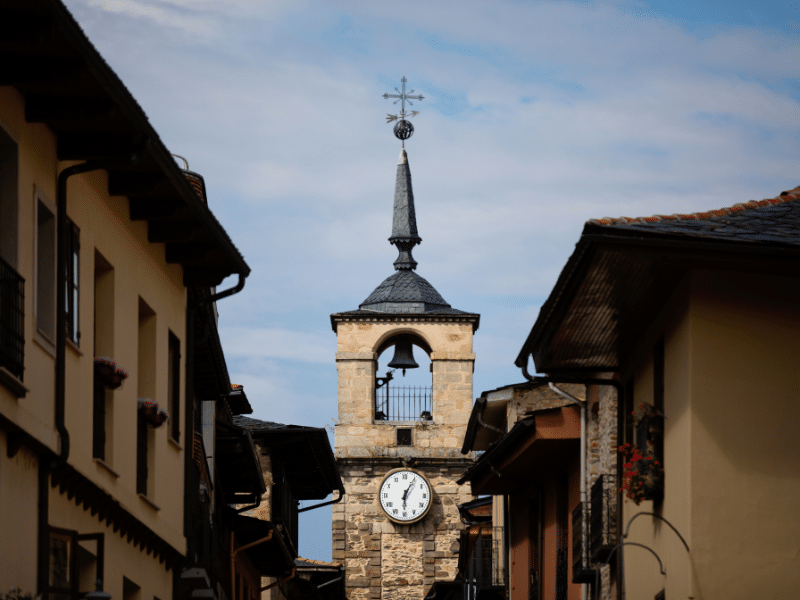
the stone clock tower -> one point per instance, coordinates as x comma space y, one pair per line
398, 451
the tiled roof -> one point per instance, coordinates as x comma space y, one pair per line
256, 425
302, 562
405, 292
774, 220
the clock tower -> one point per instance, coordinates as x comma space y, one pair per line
398, 448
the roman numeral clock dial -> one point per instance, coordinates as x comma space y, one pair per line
405, 496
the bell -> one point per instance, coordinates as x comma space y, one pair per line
403, 355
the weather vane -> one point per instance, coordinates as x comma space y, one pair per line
403, 129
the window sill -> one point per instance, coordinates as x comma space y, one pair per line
106, 467
44, 343
14, 385
149, 502
74, 347
175, 445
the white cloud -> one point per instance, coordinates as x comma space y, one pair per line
258, 342
537, 117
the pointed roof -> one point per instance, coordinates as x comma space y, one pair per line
404, 220
404, 292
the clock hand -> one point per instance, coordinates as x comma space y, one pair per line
405, 494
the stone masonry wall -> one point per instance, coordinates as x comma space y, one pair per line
602, 438
384, 560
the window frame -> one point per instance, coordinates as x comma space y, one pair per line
42, 335
174, 386
72, 306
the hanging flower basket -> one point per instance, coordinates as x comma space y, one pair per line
152, 413
642, 476
109, 373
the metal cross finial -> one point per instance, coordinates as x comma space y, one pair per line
403, 129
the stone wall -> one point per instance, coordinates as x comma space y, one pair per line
386, 560
539, 398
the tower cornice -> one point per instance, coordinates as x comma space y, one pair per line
363, 316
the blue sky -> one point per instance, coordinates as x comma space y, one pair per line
537, 117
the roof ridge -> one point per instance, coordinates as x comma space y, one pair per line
787, 196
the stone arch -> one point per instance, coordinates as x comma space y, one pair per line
417, 338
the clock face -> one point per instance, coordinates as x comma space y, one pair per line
405, 496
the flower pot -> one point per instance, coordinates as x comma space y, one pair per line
159, 419
108, 373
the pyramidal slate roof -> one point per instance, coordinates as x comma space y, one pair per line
405, 292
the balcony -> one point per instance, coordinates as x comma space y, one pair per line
403, 403
485, 568
582, 571
12, 319
603, 524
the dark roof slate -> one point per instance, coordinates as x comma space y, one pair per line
771, 221
405, 292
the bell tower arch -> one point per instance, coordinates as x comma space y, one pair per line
398, 451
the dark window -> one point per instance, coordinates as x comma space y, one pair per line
45, 270
403, 437
562, 538
141, 455
63, 579
12, 320
174, 387
99, 420
534, 544
73, 269
103, 409
9, 200
145, 437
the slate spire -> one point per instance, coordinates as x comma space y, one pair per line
404, 220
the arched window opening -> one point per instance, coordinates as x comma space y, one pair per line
403, 391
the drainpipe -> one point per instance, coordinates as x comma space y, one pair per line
583, 470
229, 292
339, 499
45, 463
61, 283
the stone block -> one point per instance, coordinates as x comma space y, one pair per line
338, 525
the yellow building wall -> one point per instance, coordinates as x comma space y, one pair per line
18, 497
732, 455
140, 271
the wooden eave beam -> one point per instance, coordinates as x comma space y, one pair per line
22, 68
189, 254
45, 108
169, 231
88, 145
18, 27
203, 277
140, 184
154, 210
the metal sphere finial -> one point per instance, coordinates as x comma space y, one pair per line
403, 129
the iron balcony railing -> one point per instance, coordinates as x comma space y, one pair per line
581, 569
603, 523
403, 403
12, 320
486, 564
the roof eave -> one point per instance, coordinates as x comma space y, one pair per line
578, 267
